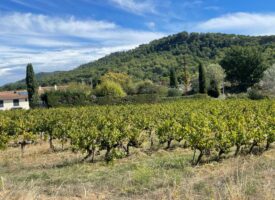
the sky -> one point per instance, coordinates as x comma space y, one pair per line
57, 35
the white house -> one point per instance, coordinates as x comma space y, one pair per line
10, 100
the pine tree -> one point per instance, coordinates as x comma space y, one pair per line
31, 86
202, 79
173, 78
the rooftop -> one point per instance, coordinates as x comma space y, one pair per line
10, 95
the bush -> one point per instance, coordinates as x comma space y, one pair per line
237, 96
255, 94
148, 87
65, 98
174, 92
214, 89
109, 88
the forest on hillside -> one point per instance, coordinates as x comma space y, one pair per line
153, 61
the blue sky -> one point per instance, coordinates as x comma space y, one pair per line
62, 34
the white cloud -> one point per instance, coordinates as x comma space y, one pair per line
151, 25
53, 43
136, 6
39, 28
243, 23
14, 60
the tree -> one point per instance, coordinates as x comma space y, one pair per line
202, 79
244, 66
122, 79
214, 89
267, 84
186, 78
109, 88
31, 86
215, 78
173, 78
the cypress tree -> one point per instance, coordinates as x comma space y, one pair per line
31, 85
202, 79
173, 78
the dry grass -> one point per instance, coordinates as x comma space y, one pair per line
43, 174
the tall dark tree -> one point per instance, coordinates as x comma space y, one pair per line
173, 78
244, 66
31, 85
202, 79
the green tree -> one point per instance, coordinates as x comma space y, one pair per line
31, 86
109, 88
173, 78
244, 66
202, 79
215, 78
214, 89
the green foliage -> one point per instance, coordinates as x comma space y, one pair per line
148, 87
173, 78
174, 92
31, 86
215, 72
214, 89
122, 78
211, 128
66, 98
267, 84
153, 61
202, 79
109, 88
244, 66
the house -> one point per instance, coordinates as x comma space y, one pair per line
10, 100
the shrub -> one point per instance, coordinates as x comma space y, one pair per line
65, 98
214, 89
148, 87
255, 94
109, 88
174, 92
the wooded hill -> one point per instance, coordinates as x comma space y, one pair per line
153, 61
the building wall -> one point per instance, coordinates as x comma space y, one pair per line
8, 105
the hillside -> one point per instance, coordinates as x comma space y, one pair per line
153, 60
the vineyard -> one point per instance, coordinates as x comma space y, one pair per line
211, 129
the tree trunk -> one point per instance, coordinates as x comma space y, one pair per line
169, 144
91, 154
194, 155
267, 146
107, 155
51, 143
220, 153
238, 147
199, 158
252, 147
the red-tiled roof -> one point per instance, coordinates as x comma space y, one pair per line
10, 95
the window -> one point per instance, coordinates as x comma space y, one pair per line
1, 103
16, 102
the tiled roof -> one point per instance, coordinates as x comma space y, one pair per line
10, 95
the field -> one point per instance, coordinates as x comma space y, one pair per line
43, 174
196, 149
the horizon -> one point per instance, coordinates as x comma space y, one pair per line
76, 33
